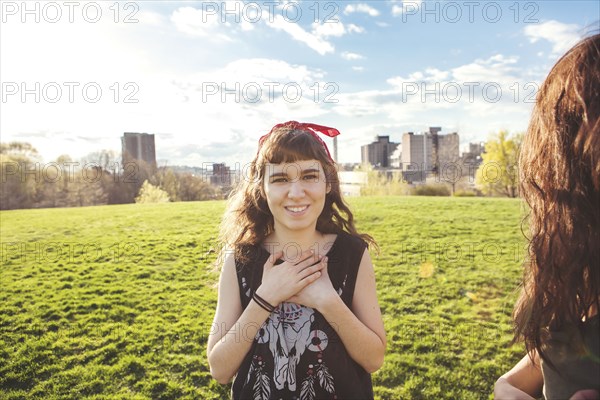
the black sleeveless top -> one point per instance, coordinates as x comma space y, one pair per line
296, 353
576, 359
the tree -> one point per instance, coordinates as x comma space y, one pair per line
152, 194
381, 183
101, 168
20, 175
194, 188
497, 175
20, 151
168, 181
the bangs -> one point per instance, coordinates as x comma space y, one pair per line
291, 146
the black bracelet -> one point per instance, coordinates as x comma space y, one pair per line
263, 303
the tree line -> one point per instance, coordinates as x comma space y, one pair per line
98, 179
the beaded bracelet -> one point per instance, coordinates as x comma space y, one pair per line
263, 303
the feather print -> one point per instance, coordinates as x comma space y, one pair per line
250, 373
262, 385
307, 391
325, 378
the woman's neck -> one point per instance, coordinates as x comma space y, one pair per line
293, 244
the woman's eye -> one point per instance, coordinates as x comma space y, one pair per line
310, 177
279, 180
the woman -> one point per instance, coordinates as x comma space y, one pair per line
297, 313
557, 313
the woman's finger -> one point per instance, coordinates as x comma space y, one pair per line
310, 270
273, 258
310, 278
307, 263
304, 256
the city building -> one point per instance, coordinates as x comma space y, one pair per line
379, 152
430, 152
471, 159
138, 146
221, 175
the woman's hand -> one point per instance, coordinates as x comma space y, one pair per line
318, 293
280, 282
586, 394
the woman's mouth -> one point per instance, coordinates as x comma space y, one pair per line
296, 210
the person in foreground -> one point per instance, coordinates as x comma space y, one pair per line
557, 313
297, 314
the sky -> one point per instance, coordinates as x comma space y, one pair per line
209, 78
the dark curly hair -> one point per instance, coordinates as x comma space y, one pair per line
560, 181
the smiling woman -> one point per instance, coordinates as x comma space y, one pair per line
297, 313
295, 195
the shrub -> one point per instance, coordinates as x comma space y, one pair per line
152, 194
431, 190
464, 193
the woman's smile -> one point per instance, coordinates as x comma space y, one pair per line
297, 210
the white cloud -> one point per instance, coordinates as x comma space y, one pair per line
362, 8
351, 56
336, 29
406, 6
355, 28
314, 41
265, 70
498, 69
485, 87
196, 22
436, 74
150, 18
358, 69
561, 36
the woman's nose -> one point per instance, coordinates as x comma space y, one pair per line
296, 189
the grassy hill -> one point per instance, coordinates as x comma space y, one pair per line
117, 301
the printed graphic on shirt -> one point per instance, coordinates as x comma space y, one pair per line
289, 334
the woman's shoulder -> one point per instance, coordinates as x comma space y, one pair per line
248, 255
354, 241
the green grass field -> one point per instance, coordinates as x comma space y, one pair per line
117, 301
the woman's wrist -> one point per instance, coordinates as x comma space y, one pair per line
329, 303
268, 297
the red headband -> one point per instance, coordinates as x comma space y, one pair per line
311, 128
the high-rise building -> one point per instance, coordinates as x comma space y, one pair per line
138, 146
221, 175
471, 159
430, 151
379, 152
416, 152
447, 150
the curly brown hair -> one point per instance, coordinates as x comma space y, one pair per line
560, 181
248, 221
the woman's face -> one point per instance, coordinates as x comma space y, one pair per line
295, 194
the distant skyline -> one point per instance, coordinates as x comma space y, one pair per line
209, 78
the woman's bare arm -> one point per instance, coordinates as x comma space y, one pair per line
361, 329
524, 381
233, 330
